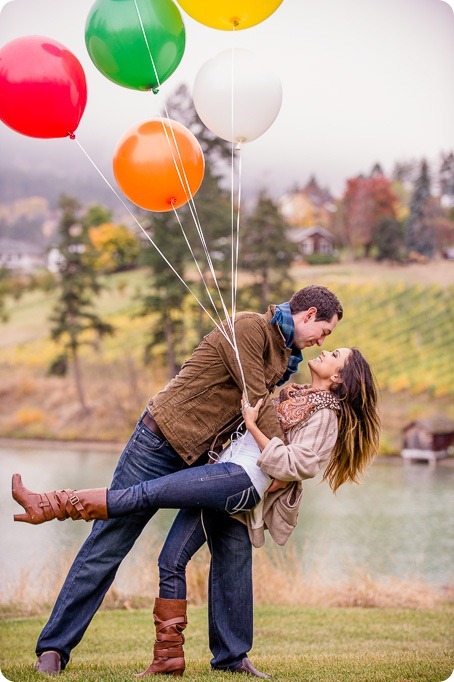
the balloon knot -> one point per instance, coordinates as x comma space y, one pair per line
173, 201
235, 22
72, 136
155, 91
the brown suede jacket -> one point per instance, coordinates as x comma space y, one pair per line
201, 406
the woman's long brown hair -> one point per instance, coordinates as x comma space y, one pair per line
358, 422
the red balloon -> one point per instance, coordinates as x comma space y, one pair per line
43, 91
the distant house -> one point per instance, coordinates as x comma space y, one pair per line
20, 256
428, 439
312, 240
311, 205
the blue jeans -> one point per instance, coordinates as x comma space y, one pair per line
223, 487
230, 596
145, 457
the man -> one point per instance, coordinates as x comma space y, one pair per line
175, 431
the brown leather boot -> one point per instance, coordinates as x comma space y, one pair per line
170, 621
59, 504
247, 668
48, 663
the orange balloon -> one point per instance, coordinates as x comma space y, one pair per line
159, 164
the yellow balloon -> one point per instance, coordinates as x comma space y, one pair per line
229, 14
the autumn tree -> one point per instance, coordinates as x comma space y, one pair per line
116, 247
366, 203
74, 320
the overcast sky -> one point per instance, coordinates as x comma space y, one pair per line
363, 81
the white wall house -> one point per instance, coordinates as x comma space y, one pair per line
20, 256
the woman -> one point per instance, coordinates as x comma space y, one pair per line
334, 419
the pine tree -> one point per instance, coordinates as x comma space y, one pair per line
389, 239
266, 255
167, 299
5, 290
165, 296
446, 180
74, 320
420, 232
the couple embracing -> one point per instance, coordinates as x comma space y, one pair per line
227, 500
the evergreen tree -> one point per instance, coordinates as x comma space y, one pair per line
389, 239
405, 171
73, 318
376, 171
5, 290
420, 232
266, 255
165, 298
446, 179
96, 215
168, 300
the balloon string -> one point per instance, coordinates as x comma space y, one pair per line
152, 242
147, 44
196, 263
235, 237
232, 277
185, 184
190, 200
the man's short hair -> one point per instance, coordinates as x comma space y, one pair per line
314, 296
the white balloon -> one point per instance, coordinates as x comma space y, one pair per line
236, 97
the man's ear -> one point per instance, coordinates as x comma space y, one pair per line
312, 311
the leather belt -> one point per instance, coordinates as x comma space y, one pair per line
151, 424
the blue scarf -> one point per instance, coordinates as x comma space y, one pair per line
283, 318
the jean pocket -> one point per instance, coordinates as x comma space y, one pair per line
243, 501
148, 441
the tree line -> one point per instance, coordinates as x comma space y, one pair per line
388, 218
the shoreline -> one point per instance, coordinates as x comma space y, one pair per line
117, 446
55, 444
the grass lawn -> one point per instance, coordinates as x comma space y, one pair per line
312, 644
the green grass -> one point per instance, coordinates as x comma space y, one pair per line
309, 644
405, 330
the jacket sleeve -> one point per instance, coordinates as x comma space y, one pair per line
309, 447
250, 339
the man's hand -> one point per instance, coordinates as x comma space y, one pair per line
277, 485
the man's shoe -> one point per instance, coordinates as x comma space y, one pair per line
247, 668
48, 663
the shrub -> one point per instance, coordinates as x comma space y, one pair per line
321, 259
29, 415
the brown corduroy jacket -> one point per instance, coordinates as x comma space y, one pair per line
201, 406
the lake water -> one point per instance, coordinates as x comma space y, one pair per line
398, 523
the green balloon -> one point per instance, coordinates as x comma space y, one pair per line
115, 40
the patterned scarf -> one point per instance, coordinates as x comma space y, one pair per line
283, 318
296, 403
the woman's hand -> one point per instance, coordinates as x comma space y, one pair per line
277, 485
250, 413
